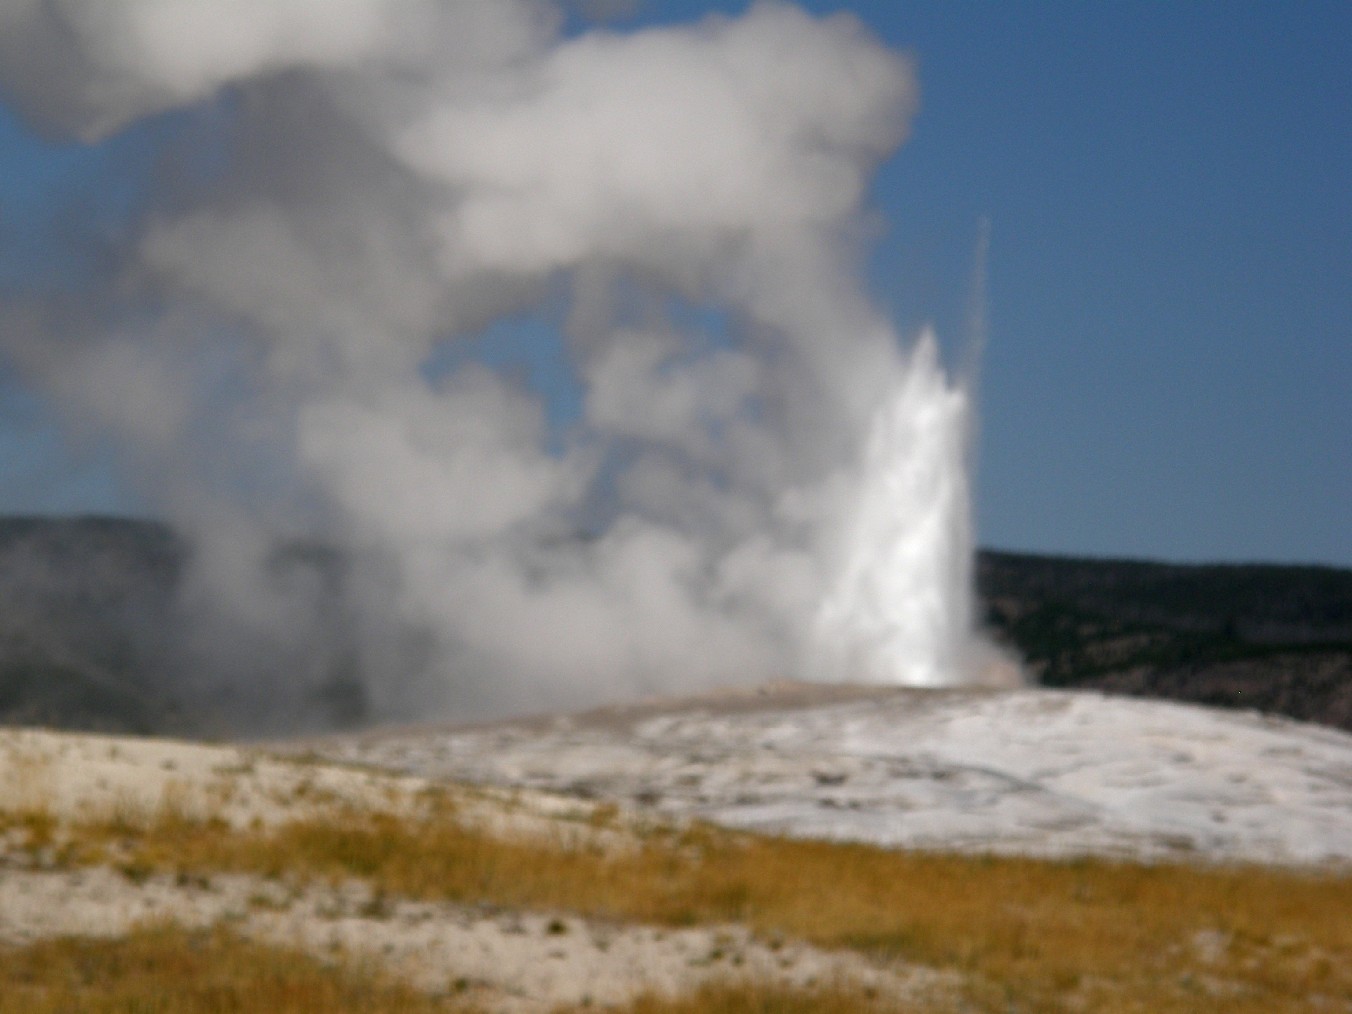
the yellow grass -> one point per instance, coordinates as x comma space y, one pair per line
757, 998
1026, 935
166, 970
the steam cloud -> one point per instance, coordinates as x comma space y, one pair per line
728, 468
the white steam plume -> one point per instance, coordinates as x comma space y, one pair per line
759, 482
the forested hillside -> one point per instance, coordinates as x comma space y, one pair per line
1274, 638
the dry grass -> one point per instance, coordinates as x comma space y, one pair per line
1026, 934
757, 998
166, 970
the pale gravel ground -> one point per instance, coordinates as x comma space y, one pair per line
514, 962
90, 776
1026, 771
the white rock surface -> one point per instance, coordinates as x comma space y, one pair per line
1038, 772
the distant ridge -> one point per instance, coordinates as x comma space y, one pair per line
1272, 637
92, 637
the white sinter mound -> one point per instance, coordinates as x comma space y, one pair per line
1026, 771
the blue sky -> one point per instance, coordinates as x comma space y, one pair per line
1169, 366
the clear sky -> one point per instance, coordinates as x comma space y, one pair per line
1168, 371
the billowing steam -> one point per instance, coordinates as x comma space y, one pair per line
543, 352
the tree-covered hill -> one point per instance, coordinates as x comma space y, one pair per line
1274, 638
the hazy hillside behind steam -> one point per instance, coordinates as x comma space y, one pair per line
98, 631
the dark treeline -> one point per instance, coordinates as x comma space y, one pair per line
1270, 637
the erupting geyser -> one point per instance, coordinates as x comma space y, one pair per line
900, 609
552, 340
